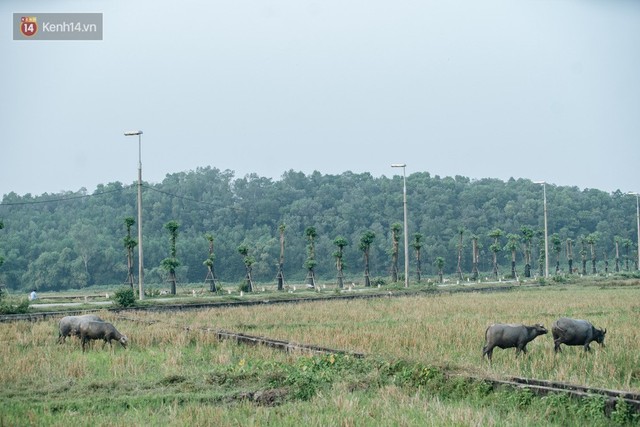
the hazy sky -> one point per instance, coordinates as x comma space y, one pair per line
540, 89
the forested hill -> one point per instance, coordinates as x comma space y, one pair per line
72, 240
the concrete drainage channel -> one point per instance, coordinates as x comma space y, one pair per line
283, 345
539, 387
287, 346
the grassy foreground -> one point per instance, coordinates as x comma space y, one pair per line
174, 376
448, 330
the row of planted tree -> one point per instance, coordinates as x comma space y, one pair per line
515, 244
74, 239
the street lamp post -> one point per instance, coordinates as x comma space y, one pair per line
546, 234
140, 258
638, 221
406, 231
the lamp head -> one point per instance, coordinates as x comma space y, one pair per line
133, 133
398, 165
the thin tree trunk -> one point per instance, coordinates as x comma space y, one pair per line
474, 255
626, 260
570, 256
172, 280
541, 264
130, 278
249, 280
527, 259
210, 279
367, 280
280, 276
460, 257
394, 260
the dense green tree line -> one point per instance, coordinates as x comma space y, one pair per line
77, 239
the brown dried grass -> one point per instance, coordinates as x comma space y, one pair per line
448, 330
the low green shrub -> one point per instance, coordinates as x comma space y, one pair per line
624, 415
12, 306
379, 281
124, 297
559, 279
152, 292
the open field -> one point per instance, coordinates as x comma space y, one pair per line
448, 330
173, 376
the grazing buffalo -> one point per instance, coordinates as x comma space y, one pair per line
575, 332
101, 331
510, 335
70, 325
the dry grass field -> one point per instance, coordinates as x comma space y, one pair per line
448, 330
175, 371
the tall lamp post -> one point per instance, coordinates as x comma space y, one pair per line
140, 258
546, 234
638, 221
406, 231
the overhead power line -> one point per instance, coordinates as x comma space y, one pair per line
82, 196
62, 199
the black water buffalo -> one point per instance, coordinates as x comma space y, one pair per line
510, 335
101, 331
575, 332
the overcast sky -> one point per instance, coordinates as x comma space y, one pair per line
540, 89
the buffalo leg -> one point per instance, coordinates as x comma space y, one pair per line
556, 345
